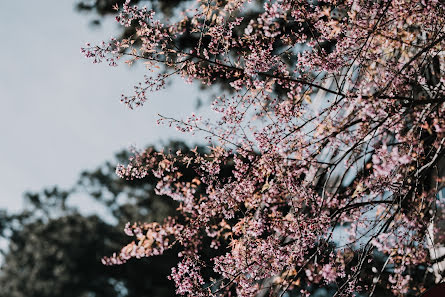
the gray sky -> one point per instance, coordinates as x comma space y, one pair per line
60, 113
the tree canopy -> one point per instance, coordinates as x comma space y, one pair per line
333, 118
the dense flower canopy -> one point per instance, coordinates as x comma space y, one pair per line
334, 123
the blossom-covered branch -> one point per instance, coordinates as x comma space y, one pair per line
333, 122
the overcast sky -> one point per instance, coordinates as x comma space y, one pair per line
60, 113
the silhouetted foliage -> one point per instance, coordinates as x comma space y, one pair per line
54, 250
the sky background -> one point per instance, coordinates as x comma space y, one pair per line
61, 114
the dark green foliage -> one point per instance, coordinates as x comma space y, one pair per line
55, 251
105, 7
61, 257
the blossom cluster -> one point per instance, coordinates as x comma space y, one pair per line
334, 119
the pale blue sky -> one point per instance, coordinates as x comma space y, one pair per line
60, 113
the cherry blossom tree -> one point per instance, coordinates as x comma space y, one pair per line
334, 123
